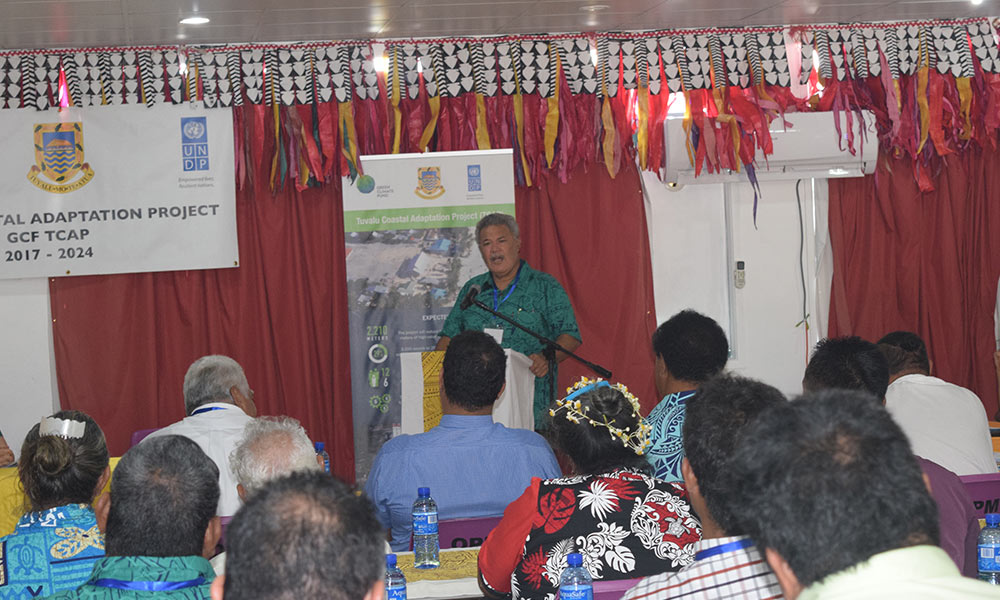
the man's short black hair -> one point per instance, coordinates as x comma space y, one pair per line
828, 480
474, 369
164, 492
847, 363
716, 415
910, 352
693, 346
306, 536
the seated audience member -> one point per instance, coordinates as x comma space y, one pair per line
271, 447
305, 536
855, 364
159, 524
625, 522
6, 454
64, 464
473, 466
832, 494
219, 403
726, 564
690, 349
944, 422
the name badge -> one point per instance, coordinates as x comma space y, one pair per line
496, 334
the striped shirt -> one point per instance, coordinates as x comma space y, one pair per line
717, 572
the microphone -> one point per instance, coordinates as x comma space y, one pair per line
470, 297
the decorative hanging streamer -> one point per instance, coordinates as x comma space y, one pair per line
935, 94
922, 80
552, 103
642, 101
395, 83
479, 70
609, 143
434, 68
279, 164
345, 122
515, 60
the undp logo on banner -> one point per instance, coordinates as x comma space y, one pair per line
194, 143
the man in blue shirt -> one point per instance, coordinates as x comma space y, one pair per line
473, 466
690, 349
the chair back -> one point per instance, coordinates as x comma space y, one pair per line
613, 590
140, 434
985, 492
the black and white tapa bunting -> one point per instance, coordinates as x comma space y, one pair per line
458, 76
253, 74
578, 68
10, 82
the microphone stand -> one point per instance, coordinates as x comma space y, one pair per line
549, 350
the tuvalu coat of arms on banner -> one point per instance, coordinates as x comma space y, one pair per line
429, 183
59, 166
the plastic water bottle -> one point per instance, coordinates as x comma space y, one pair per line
425, 531
575, 582
395, 582
321, 450
989, 550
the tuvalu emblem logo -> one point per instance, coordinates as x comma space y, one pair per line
59, 158
429, 183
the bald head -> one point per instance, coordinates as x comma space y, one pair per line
271, 447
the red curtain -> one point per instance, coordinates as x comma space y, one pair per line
923, 262
123, 342
590, 234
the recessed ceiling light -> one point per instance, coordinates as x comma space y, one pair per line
976, 2
195, 21
594, 8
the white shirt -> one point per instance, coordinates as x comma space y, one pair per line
945, 423
217, 432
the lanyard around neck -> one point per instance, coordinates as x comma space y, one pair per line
510, 290
206, 409
723, 548
148, 586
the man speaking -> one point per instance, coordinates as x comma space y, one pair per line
512, 288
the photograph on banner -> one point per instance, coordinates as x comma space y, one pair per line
409, 224
87, 191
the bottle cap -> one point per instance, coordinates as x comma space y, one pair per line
390, 560
992, 519
320, 446
424, 492
574, 559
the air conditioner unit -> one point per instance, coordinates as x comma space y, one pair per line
806, 147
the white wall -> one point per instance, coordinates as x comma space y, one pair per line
697, 234
27, 370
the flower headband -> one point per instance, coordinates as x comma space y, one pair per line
637, 440
63, 428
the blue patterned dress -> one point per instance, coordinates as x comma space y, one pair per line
667, 421
49, 551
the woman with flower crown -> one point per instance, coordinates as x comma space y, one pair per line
64, 464
624, 522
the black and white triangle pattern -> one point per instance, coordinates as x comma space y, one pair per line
859, 54
628, 65
10, 81
29, 89
653, 60
754, 59
272, 85
578, 68
459, 73
72, 71
908, 39
145, 61
46, 79
680, 56
408, 63
806, 48
774, 58
823, 50
734, 51
217, 86
930, 53
252, 68
431, 62
872, 56
949, 50
984, 46
89, 77
294, 76
718, 60
505, 62
363, 73
839, 52
125, 73
340, 73
235, 76
170, 61
484, 58
699, 61
159, 76
641, 62
613, 63
668, 63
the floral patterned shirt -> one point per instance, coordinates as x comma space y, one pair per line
625, 523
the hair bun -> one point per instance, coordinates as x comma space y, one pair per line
53, 455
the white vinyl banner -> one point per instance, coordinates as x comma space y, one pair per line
116, 190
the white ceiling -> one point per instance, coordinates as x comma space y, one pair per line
76, 23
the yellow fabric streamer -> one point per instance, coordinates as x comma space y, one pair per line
519, 120
688, 121
397, 116
482, 132
552, 115
925, 119
642, 135
899, 95
610, 136
965, 97
275, 110
345, 113
425, 138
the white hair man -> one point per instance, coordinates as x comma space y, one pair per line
219, 404
271, 447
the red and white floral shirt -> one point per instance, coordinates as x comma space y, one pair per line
625, 523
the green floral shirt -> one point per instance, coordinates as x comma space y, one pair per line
116, 570
537, 301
